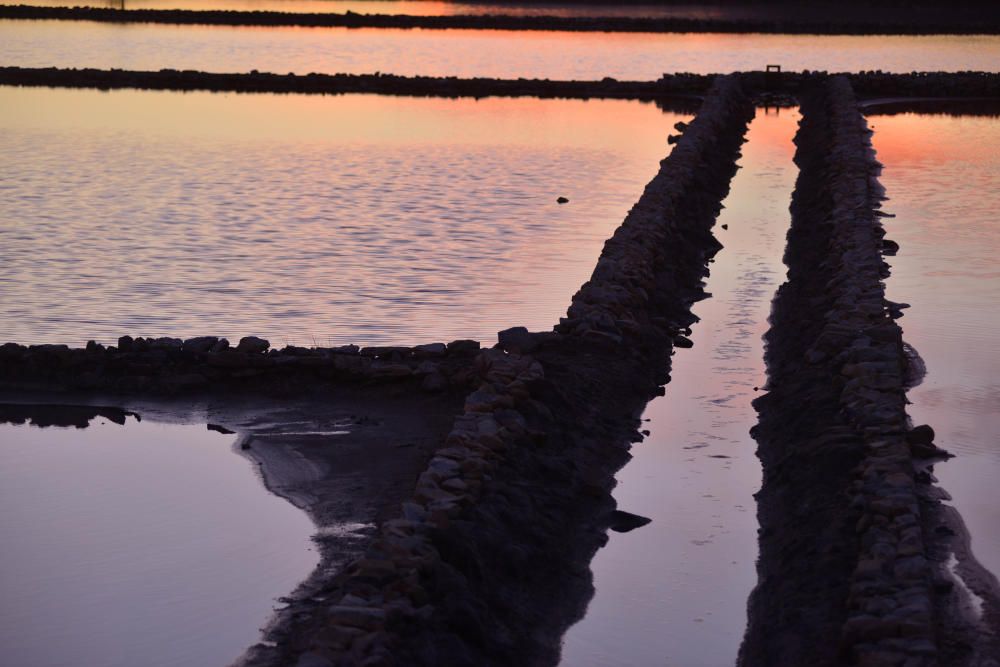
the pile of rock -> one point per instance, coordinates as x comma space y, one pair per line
844, 574
667, 235
386, 591
171, 366
890, 607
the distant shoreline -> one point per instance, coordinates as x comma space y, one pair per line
913, 24
681, 91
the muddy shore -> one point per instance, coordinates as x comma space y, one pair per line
987, 21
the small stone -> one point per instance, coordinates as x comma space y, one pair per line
683, 342
517, 339
253, 345
920, 435
623, 522
434, 382
200, 345
463, 347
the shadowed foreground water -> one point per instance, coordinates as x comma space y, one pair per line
942, 177
144, 544
674, 592
470, 53
351, 219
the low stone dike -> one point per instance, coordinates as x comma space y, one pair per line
911, 23
667, 87
487, 564
208, 364
640, 269
844, 570
679, 91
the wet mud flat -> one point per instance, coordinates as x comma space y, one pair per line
853, 542
850, 20
347, 457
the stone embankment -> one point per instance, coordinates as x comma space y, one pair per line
675, 91
488, 562
845, 574
986, 21
208, 364
334, 84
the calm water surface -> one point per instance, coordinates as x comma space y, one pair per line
148, 544
427, 8
307, 219
819, 10
557, 55
942, 176
675, 592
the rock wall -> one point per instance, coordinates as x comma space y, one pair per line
843, 572
208, 364
672, 91
634, 287
488, 562
985, 21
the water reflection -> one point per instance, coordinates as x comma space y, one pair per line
674, 592
942, 174
307, 220
466, 53
819, 11
148, 544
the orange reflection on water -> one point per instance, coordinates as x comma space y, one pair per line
470, 53
308, 219
942, 177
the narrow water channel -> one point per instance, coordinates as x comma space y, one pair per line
144, 544
674, 592
942, 176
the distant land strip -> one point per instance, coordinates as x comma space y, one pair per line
987, 23
674, 91
382, 84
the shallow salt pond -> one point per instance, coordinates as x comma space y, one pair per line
469, 53
145, 544
307, 219
412, 8
674, 592
821, 10
942, 176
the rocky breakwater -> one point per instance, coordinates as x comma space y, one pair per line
487, 563
669, 91
912, 23
208, 364
847, 571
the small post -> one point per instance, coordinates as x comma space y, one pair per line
772, 75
